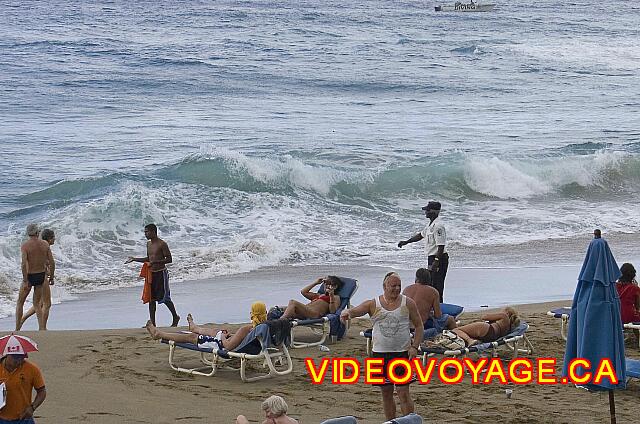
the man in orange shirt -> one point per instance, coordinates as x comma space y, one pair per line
20, 378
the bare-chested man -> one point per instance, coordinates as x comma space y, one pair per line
427, 299
38, 266
158, 256
320, 305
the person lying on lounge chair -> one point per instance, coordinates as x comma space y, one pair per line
320, 305
491, 328
209, 338
275, 412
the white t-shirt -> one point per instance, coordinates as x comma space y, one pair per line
435, 235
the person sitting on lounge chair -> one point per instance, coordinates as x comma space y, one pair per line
320, 305
427, 300
629, 294
491, 328
275, 412
210, 338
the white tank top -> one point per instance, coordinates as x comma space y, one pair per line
391, 328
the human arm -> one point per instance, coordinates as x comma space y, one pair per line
306, 290
51, 264
134, 259
41, 394
416, 322
413, 239
493, 317
366, 307
24, 264
437, 312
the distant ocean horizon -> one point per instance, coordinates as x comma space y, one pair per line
259, 134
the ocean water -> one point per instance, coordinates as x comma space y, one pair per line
261, 133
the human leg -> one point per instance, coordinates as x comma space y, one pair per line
172, 309
176, 337
472, 333
406, 403
25, 289
152, 312
237, 338
388, 402
205, 331
46, 302
242, 420
37, 304
296, 309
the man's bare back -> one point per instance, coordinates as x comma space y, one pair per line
427, 299
36, 255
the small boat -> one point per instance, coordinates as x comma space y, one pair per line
466, 7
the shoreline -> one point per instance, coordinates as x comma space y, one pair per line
228, 298
104, 376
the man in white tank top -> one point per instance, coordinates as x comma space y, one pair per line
393, 314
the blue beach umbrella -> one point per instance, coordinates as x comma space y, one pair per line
595, 325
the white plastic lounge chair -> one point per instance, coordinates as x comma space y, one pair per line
563, 314
429, 332
407, 419
512, 341
633, 326
341, 420
256, 346
329, 324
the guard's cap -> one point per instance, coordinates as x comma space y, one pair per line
432, 206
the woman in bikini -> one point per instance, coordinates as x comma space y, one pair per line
210, 338
491, 328
320, 304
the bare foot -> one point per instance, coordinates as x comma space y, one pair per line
152, 330
176, 320
192, 326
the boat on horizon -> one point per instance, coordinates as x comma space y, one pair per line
466, 7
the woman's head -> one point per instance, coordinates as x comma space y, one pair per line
274, 406
628, 273
514, 320
258, 313
48, 235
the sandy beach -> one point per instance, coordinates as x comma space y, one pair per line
115, 376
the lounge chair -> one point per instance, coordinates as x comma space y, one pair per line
511, 341
330, 324
407, 419
429, 332
633, 368
563, 314
257, 346
341, 420
633, 326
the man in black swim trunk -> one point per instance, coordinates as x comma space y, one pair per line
37, 260
158, 256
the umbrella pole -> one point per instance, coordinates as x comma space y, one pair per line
612, 407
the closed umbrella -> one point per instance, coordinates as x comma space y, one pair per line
595, 325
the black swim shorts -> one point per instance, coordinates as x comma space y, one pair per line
36, 279
388, 357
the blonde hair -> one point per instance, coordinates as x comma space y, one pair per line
258, 313
276, 405
514, 320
